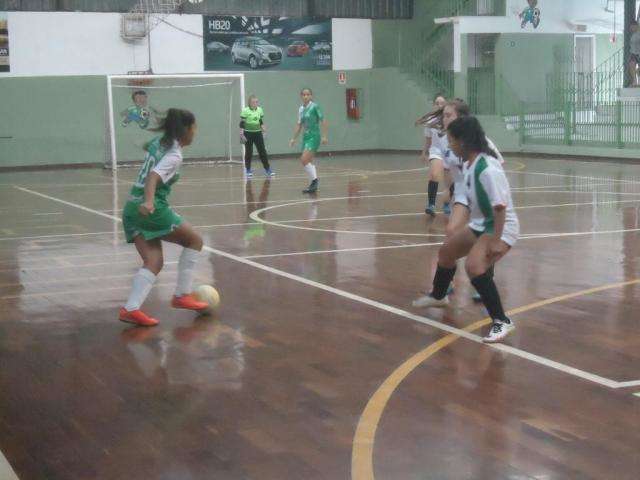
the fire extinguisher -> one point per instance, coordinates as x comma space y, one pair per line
353, 110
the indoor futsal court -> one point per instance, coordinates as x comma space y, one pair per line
319, 240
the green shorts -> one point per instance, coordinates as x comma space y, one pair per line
160, 223
311, 143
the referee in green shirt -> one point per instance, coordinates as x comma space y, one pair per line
251, 132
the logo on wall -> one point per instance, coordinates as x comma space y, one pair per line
530, 15
4, 43
273, 43
140, 112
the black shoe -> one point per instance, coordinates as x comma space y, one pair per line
312, 188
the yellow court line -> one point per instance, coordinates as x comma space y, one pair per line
364, 438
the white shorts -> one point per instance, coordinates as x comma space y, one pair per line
460, 198
510, 233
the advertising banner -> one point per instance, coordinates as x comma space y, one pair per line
266, 43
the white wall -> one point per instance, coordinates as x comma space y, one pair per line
556, 16
71, 43
90, 44
352, 44
174, 51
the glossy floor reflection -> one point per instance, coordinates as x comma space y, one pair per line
283, 382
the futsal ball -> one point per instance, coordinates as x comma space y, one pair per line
206, 293
144, 114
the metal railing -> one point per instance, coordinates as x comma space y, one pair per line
421, 61
609, 124
579, 109
588, 88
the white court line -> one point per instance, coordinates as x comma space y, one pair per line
6, 472
297, 199
222, 225
387, 308
409, 214
83, 290
66, 267
36, 237
64, 202
50, 257
633, 383
526, 236
342, 250
546, 174
75, 279
255, 215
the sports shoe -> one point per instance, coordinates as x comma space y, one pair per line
430, 210
429, 302
446, 208
248, 173
312, 188
137, 317
498, 331
270, 173
188, 302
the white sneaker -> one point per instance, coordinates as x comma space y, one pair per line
498, 331
429, 302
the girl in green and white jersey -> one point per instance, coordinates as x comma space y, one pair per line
311, 120
492, 231
148, 219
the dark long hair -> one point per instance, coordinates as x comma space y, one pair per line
433, 119
175, 125
467, 129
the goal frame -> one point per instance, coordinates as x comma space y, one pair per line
218, 75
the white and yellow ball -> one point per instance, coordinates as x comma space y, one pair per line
206, 293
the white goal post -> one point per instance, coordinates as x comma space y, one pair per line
135, 103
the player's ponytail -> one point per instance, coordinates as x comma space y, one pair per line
433, 119
469, 132
175, 125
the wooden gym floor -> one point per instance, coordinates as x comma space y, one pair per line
316, 366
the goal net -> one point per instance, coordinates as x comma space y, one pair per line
137, 103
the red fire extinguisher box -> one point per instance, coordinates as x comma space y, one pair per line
353, 107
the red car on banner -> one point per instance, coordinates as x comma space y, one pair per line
297, 49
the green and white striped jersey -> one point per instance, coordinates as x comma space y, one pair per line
163, 161
486, 186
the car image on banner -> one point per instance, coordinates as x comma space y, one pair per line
255, 51
274, 43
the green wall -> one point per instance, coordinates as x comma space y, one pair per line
54, 120
60, 120
385, 36
525, 63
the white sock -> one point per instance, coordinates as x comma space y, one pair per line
186, 266
142, 283
310, 168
